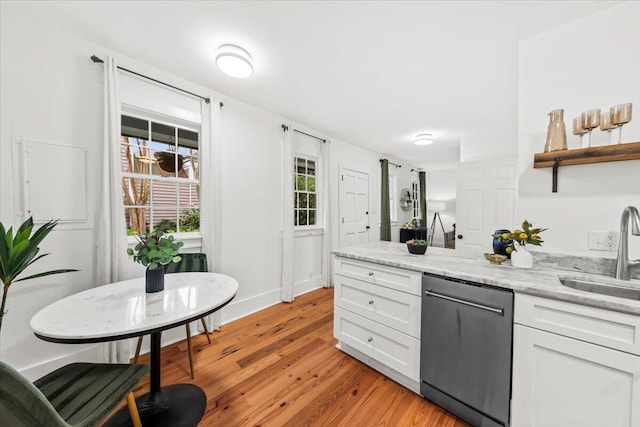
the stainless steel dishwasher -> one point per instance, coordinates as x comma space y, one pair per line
466, 347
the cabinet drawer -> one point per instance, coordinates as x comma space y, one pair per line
397, 310
396, 350
390, 277
611, 329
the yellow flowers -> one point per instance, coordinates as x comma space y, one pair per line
523, 236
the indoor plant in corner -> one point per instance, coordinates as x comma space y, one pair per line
520, 256
155, 250
19, 252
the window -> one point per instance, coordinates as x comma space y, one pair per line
393, 198
305, 198
415, 199
160, 176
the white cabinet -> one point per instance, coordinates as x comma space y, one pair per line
561, 379
377, 317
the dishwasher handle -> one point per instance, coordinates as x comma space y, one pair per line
498, 311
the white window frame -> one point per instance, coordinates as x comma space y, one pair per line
191, 239
393, 198
318, 191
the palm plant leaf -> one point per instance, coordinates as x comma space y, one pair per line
47, 273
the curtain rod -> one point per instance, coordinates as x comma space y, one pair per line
398, 166
207, 100
304, 133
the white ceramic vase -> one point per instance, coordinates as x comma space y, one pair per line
521, 257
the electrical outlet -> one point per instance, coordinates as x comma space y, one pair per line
603, 240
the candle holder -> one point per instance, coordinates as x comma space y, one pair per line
621, 115
578, 129
590, 121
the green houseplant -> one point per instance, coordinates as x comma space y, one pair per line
155, 250
19, 251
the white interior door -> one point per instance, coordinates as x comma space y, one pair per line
354, 207
486, 201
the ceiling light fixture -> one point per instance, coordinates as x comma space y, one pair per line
423, 139
234, 61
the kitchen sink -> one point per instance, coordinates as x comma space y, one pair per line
604, 286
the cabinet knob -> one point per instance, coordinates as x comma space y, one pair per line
370, 301
371, 273
370, 339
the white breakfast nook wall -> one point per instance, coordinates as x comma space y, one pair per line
587, 64
62, 102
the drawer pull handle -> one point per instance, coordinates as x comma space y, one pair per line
370, 339
498, 311
371, 273
370, 301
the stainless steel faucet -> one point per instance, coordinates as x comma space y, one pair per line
623, 264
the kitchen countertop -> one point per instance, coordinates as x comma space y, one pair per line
540, 281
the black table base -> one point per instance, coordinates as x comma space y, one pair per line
177, 405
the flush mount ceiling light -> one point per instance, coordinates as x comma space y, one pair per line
423, 139
234, 61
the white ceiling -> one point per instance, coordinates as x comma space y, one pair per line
370, 73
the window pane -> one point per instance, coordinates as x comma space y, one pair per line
167, 163
165, 220
187, 142
311, 167
312, 201
312, 217
303, 200
163, 136
295, 217
311, 183
188, 195
164, 193
189, 220
141, 158
301, 165
134, 128
301, 183
136, 191
302, 217
136, 220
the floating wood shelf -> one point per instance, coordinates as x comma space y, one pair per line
583, 156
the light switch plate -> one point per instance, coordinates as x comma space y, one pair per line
603, 240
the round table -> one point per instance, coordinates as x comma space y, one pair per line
124, 310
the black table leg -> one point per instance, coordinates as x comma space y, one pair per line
177, 405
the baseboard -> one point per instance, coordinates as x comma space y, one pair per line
307, 285
88, 354
241, 308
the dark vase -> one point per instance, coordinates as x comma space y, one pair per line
500, 246
154, 280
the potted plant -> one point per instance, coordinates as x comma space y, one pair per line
155, 250
19, 251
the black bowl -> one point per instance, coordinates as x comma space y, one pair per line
417, 249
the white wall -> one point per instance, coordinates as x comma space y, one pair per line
587, 64
52, 91
442, 187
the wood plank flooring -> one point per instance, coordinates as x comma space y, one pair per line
280, 367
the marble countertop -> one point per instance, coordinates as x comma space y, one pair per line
540, 281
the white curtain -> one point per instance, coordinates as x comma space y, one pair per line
111, 237
326, 214
286, 293
211, 193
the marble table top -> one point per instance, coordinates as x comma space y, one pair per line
124, 309
540, 281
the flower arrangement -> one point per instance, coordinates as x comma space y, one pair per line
523, 236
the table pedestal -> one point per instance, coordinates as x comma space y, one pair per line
177, 405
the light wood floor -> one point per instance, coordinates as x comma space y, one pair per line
280, 367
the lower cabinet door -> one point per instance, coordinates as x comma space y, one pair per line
562, 382
394, 349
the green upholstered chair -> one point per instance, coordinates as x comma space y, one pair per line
79, 394
192, 262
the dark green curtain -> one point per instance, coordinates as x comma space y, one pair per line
423, 198
385, 212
